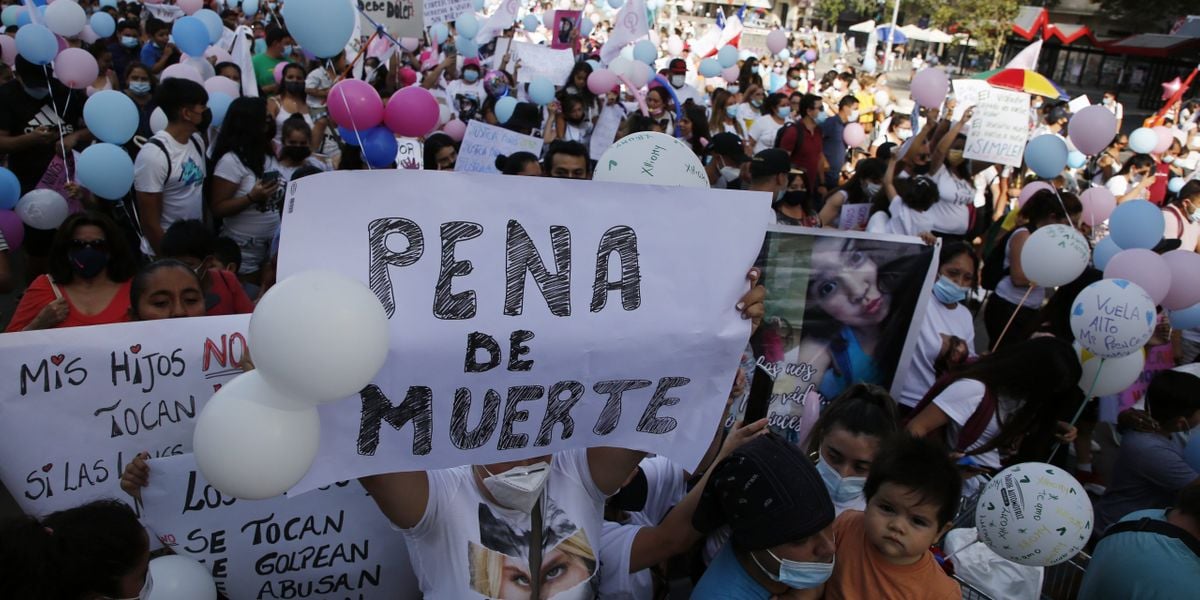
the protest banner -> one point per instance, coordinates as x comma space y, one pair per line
542, 61
566, 29
482, 143
402, 18
966, 95
409, 154
999, 127
626, 333
442, 11
844, 308
331, 542
76, 404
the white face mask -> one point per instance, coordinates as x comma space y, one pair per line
854, 116
519, 487
841, 489
678, 80
730, 173
903, 134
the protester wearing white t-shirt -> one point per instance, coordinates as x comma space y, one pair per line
1116, 108
775, 115
465, 95
947, 335
956, 190
684, 91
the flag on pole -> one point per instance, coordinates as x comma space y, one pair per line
629, 26
503, 18
720, 18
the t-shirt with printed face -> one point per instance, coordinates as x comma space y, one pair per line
21, 113
466, 546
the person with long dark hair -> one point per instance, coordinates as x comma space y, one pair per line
441, 152
693, 128
244, 182
724, 113
1134, 179
775, 114
846, 438
862, 187
292, 100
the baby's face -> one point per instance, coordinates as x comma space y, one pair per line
901, 524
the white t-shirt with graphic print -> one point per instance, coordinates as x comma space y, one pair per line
183, 194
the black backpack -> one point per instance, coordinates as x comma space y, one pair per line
994, 270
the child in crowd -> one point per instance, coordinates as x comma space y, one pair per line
846, 440
912, 494
194, 244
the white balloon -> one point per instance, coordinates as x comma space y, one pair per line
1113, 318
319, 335
1055, 255
42, 209
651, 157
158, 120
1108, 376
202, 66
674, 45
444, 114
248, 445
620, 66
65, 18
177, 577
1034, 514
639, 73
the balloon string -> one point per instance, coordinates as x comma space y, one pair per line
1013, 317
1064, 207
354, 128
62, 142
1086, 398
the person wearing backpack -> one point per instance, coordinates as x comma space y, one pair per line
803, 142
169, 173
1014, 292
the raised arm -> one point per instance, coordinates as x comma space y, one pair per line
943, 147
401, 496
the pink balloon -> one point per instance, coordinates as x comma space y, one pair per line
409, 44
379, 47
223, 85
182, 71
88, 36
76, 68
62, 42
190, 6
279, 72
1030, 189
412, 112
1093, 129
455, 129
1098, 204
12, 228
602, 81
1185, 279
218, 53
1145, 268
929, 87
776, 41
8, 49
730, 75
1164, 139
355, 105
854, 134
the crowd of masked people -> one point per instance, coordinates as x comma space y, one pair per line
854, 510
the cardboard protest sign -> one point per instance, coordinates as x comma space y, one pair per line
482, 143
529, 315
76, 404
403, 18
843, 308
566, 29
331, 542
999, 127
542, 61
442, 11
966, 95
409, 154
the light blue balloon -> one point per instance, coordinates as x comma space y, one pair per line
1046, 154
1076, 159
219, 103
37, 44
11, 13
212, 21
467, 25
1136, 224
616, 3
784, 54
23, 18
102, 24
440, 33
1175, 184
379, 147
319, 26
727, 56
111, 116
1186, 318
645, 51
190, 35
478, 4
1104, 251
10, 189
710, 67
504, 109
466, 46
586, 26
1143, 140
106, 170
541, 91
108, 3
250, 7
531, 23
595, 64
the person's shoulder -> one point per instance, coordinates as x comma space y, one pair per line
964, 388
1158, 514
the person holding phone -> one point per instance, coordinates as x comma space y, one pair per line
244, 182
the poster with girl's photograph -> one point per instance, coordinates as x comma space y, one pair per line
843, 307
566, 29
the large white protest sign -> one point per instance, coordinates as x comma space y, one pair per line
402, 18
999, 127
529, 315
76, 404
542, 61
966, 95
482, 143
441, 11
332, 542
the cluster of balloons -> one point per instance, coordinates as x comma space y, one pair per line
364, 121
10, 223
317, 337
1151, 140
1034, 514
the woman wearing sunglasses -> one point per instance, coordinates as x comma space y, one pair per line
88, 280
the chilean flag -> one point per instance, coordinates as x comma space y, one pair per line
727, 32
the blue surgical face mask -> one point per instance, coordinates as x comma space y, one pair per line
821, 116
1194, 216
797, 575
784, 111
37, 93
948, 292
842, 490
470, 75
140, 88
731, 111
129, 41
287, 50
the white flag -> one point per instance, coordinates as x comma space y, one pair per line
629, 26
503, 18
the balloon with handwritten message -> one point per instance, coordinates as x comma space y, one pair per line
1034, 514
1113, 318
654, 158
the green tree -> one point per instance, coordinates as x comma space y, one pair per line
988, 21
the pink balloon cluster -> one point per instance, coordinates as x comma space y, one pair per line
1171, 280
412, 112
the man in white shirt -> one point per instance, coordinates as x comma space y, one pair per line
683, 90
465, 95
1116, 108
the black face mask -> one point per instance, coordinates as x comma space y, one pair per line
87, 262
295, 153
205, 120
295, 88
793, 198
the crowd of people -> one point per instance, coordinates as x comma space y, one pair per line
853, 510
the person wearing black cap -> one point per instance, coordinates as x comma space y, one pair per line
769, 173
683, 90
780, 519
726, 158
